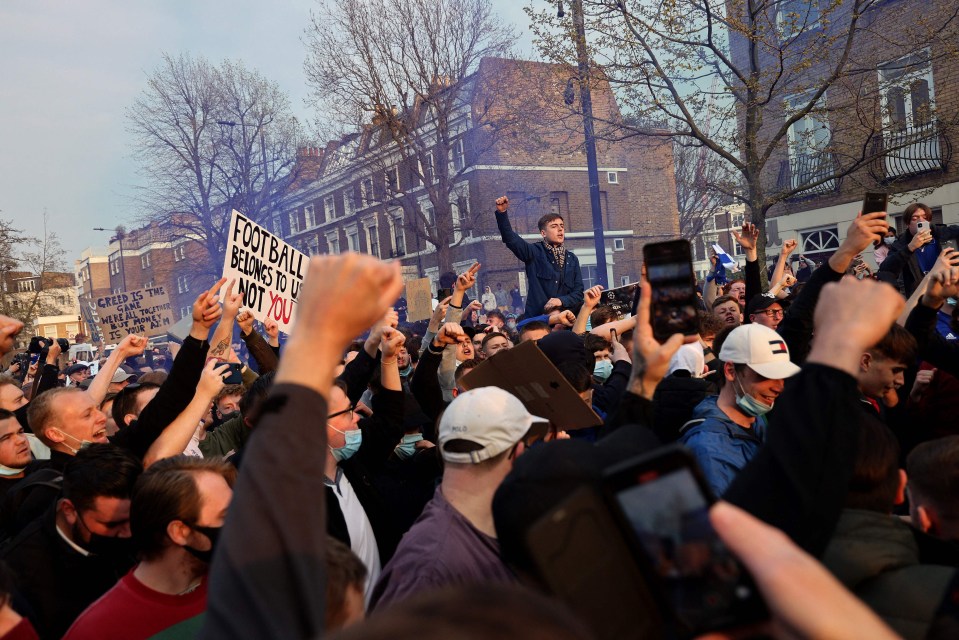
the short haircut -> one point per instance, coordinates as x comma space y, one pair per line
343, 570
933, 469
496, 313
916, 206
230, 390
577, 375
875, 474
126, 401
490, 336
535, 325
465, 366
723, 300
717, 347
898, 345
6, 415
730, 284
546, 219
6, 378
99, 470
710, 324
168, 491
42, 410
253, 399
594, 343
602, 314
156, 378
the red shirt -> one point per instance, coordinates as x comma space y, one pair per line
133, 611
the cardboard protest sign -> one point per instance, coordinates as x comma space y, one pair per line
143, 312
419, 299
268, 272
527, 373
620, 299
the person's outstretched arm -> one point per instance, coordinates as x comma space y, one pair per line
943, 282
268, 578
510, 238
265, 357
747, 240
798, 480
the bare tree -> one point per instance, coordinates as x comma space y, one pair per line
409, 67
210, 139
702, 185
786, 95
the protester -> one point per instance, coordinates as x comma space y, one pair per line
765, 309
914, 253
493, 343
553, 274
933, 472
727, 308
14, 451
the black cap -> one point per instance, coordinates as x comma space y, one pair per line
760, 302
75, 368
562, 347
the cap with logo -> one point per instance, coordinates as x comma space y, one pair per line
760, 302
481, 424
761, 349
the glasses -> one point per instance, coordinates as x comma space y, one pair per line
773, 313
348, 410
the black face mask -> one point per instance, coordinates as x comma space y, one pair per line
212, 533
111, 547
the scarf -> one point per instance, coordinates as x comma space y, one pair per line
559, 253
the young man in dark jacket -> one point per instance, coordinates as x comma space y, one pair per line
914, 254
553, 275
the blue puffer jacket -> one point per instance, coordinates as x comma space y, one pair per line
721, 446
543, 277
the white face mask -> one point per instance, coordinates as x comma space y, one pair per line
889, 240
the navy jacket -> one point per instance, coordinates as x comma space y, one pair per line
543, 277
902, 261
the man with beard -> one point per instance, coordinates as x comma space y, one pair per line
177, 509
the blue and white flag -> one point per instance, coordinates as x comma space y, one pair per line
724, 258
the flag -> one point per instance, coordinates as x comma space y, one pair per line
724, 258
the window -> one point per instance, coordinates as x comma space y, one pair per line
178, 253
795, 16
428, 213
392, 180
458, 154
149, 284
819, 244
623, 281
737, 220
589, 276
114, 267
612, 177
353, 240
737, 248
460, 209
373, 240
312, 246
333, 244
145, 261
426, 168
809, 139
309, 212
185, 311
907, 97
366, 191
619, 244
329, 208
294, 222
182, 285
277, 228
397, 233
349, 201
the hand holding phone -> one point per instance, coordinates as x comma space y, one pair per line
873, 202
669, 270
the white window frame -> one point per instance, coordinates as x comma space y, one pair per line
329, 208
277, 227
392, 186
309, 215
333, 243
612, 177
397, 231
349, 200
367, 197
145, 261
619, 244
787, 29
182, 284
457, 156
353, 239
294, 221
178, 253
373, 238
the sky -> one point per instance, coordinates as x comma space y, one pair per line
71, 69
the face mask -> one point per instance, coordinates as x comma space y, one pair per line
100, 545
889, 240
6, 471
407, 447
951, 301
213, 534
511, 325
750, 405
602, 370
354, 438
407, 370
226, 417
83, 444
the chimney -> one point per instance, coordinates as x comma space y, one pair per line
308, 164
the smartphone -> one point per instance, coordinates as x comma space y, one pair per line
873, 202
443, 292
669, 269
921, 226
236, 374
661, 502
581, 558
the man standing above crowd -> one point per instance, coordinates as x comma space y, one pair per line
553, 275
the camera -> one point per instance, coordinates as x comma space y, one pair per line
64, 345
38, 344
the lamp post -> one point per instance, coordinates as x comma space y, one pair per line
119, 234
586, 104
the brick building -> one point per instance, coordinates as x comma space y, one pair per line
901, 105
540, 166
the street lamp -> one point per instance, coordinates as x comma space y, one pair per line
586, 104
119, 234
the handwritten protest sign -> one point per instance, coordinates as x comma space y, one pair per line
419, 299
268, 272
143, 312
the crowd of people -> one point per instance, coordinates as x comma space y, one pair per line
359, 483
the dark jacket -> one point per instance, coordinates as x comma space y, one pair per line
876, 557
543, 276
902, 261
55, 580
265, 356
797, 325
933, 348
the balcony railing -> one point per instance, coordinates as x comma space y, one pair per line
910, 152
801, 170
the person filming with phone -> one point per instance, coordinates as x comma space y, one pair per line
914, 254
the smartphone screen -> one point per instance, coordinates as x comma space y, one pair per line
664, 503
873, 202
236, 374
669, 269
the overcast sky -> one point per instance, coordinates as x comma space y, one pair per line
70, 69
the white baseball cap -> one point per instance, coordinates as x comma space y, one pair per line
484, 422
761, 349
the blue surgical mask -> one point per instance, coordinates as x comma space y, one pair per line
7, 472
406, 371
407, 446
750, 405
602, 370
354, 438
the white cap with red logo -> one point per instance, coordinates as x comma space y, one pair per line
761, 349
